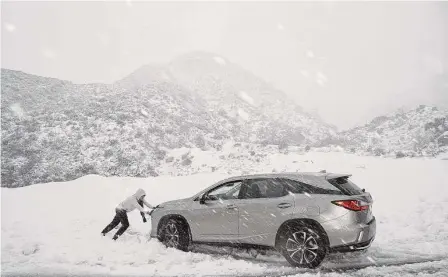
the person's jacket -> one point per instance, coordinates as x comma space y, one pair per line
132, 202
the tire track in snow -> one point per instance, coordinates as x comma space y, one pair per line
333, 265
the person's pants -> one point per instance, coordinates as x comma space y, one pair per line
120, 217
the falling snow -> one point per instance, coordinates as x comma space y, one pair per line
10, 27
247, 98
16, 108
243, 114
219, 60
321, 79
144, 112
304, 73
48, 53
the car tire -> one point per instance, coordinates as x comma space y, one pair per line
174, 234
302, 245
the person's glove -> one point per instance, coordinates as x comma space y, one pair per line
143, 217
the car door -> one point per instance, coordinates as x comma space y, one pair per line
216, 218
263, 206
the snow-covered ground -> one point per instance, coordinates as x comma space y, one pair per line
55, 228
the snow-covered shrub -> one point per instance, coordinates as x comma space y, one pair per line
186, 162
283, 147
379, 151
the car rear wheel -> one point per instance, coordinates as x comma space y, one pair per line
302, 246
174, 234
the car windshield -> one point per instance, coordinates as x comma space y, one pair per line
233, 193
227, 191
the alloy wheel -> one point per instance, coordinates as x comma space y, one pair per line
171, 235
302, 247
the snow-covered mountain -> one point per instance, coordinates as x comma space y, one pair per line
239, 94
54, 130
419, 132
248, 106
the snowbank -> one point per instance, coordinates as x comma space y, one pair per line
56, 227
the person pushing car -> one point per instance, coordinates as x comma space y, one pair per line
131, 203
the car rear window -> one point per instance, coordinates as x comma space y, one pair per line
296, 186
346, 186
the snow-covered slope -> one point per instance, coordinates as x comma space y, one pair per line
249, 107
421, 131
55, 228
54, 130
255, 105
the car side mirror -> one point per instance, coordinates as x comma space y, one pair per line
206, 197
202, 199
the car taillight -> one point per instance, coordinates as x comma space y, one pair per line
352, 205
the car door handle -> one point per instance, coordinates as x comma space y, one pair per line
231, 207
284, 205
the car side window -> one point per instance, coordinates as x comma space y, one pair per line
229, 190
263, 188
295, 186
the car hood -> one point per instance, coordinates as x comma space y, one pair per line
174, 203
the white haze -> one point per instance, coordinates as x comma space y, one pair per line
346, 61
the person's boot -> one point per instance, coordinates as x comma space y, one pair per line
115, 237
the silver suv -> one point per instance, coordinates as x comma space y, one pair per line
302, 215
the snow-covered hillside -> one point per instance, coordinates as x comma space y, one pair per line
419, 132
54, 130
248, 106
55, 227
257, 106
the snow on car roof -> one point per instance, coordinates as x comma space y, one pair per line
290, 174
318, 179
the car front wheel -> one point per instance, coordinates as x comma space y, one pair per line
302, 246
175, 235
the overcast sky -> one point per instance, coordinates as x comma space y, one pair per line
347, 61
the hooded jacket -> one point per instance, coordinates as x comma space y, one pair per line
131, 203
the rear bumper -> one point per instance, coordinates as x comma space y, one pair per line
352, 247
355, 238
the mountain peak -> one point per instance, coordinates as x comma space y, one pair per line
201, 55
144, 75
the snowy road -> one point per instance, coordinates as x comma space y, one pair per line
54, 228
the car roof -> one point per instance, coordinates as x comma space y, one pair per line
323, 174
315, 177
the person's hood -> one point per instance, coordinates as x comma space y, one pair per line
139, 193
